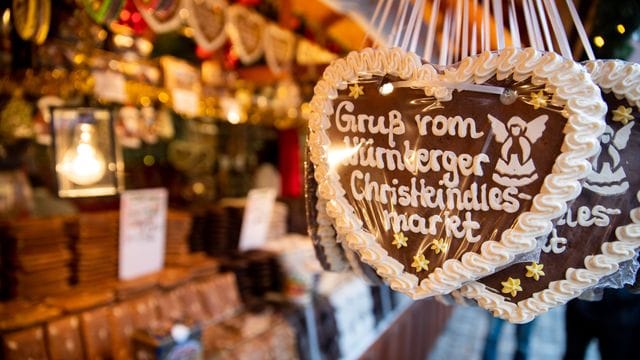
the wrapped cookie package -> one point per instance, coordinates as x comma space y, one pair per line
478, 177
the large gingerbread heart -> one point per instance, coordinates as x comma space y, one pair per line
600, 231
434, 186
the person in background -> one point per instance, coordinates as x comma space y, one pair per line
523, 335
267, 174
614, 321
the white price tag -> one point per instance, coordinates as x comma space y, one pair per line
256, 218
143, 222
186, 102
110, 86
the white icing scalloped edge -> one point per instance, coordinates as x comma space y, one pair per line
572, 88
334, 253
624, 80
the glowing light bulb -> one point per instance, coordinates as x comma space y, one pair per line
598, 41
83, 163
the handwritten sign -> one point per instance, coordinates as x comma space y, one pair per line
110, 86
143, 221
256, 218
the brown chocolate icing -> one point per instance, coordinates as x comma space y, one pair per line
583, 241
467, 104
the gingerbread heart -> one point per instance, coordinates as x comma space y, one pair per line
245, 29
436, 179
601, 229
279, 48
165, 17
207, 18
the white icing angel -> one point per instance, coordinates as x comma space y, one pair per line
515, 166
608, 176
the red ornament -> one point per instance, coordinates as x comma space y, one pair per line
249, 2
231, 59
131, 18
203, 54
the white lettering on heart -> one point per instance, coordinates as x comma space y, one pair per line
584, 217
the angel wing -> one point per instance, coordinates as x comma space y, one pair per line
536, 127
621, 138
498, 128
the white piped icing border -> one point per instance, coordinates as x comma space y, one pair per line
623, 79
572, 89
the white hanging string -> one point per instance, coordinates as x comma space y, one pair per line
376, 13
452, 48
499, 23
528, 24
458, 31
444, 40
411, 26
385, 15
431, 35
395, 28
580, 28
465, 29
401, 27
486, 31
514, 28
536, 29
545, 27
474, 29
558, 28
418, 28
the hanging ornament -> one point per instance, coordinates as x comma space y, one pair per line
162, 18
25, 17
279, 48
245, 29
103, 11
16, 120
461, 221
207, 19
44, 22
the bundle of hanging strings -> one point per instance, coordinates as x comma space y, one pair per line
467, 155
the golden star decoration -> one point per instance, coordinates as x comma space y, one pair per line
511, 286
399, 240
534, 270
355, 91
622, 114
420, 263
539, 100
439, 246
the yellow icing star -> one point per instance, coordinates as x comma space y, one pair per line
622, 114
534, 270
439, 246
420, 263
539, 100
399, 240
355, 91
511, 286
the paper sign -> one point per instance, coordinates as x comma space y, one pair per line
186, 102
143, 222
256, 218
110, 86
